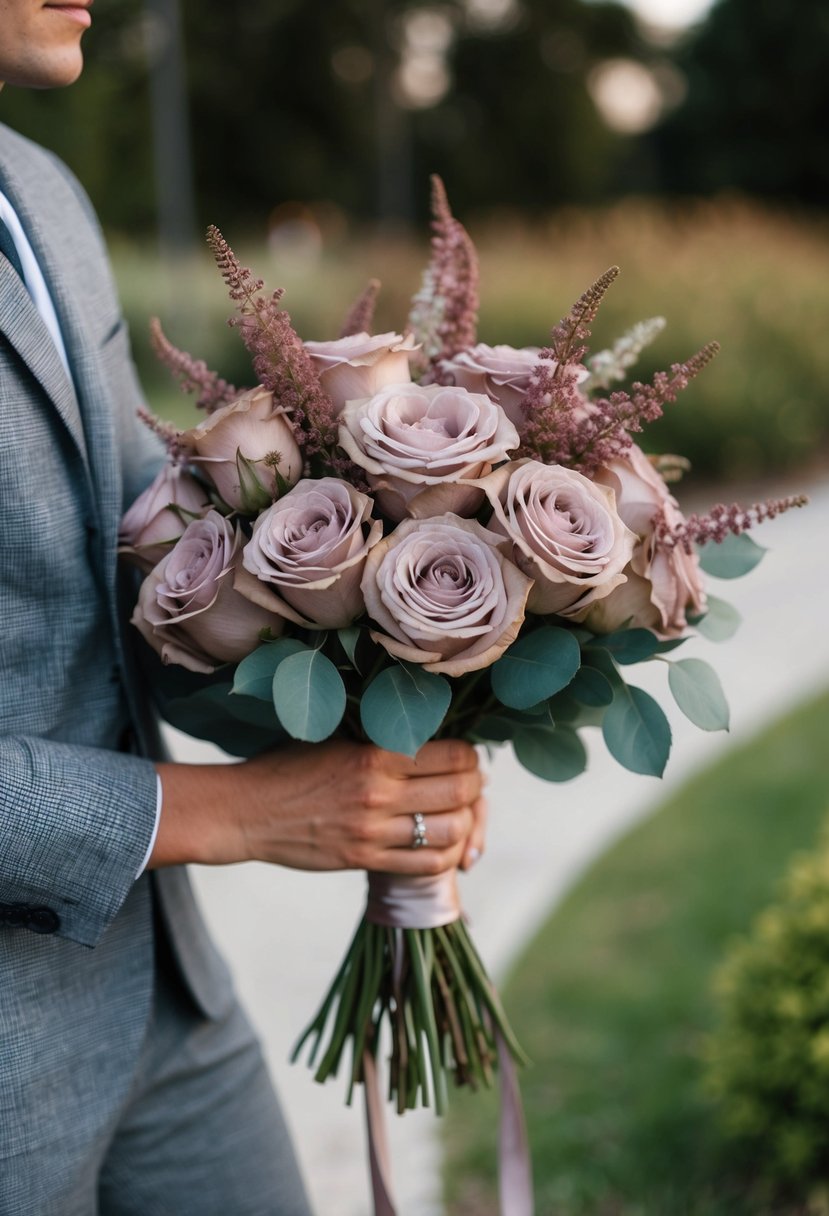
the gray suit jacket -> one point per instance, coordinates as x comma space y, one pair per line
76, 809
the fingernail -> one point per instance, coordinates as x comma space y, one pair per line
471, 857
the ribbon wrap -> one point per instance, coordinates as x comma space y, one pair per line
413, 902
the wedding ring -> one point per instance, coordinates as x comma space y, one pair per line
419, 838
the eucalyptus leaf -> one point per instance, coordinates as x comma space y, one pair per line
720, 622
207, 714
309, 695
601, 660
636, 731
554, 755
403, 707
629, 645
698, 693
732, 557
254, 675
535, 667
590, 687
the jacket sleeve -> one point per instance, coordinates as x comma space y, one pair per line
75, 825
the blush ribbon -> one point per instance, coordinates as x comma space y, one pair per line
407, 902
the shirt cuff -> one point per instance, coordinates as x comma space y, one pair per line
158, 798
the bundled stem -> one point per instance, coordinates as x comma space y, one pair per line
442, 1010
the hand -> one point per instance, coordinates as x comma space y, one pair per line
330, 806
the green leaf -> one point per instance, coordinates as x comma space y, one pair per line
629, 645
732, 558
590, 687
720, 622
554, 755
698, 693
535, 667
209, 714
309, 695
601, 660
636, 731
252, 494
403, 707
349, 637
254, 675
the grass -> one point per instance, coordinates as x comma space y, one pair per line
756, 280
612, 1000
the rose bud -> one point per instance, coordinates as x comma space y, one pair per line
360, 365
665, 582
245, 448
565, 532
419, 445
444, 594
160, 514
307, 554
188, 609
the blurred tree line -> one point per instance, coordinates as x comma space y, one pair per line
360, 103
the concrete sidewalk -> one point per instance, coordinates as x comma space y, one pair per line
285, 932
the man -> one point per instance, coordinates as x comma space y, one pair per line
130, 1081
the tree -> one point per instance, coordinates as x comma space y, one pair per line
756, 116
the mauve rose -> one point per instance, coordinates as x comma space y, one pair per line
159, 514
444, 594
262, 433
310, 549
360, 365
502, 372
665, 584
188, 609
419, 445
565, 533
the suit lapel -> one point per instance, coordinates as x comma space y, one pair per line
23, 326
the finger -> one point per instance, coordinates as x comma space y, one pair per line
438, 756
477, 837
424, 862
429, 795
441, 830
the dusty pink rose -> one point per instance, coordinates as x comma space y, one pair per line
308, 551
502, 372
444, 595
565, 533
188, 609
160, 514
419, 445
252, 426
360, 365
665, 584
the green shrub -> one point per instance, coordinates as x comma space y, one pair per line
768, 1061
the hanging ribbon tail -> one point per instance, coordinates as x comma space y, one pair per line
378, 1144
515, 1182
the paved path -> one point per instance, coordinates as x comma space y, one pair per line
284, 932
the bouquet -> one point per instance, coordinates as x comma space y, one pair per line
402, 536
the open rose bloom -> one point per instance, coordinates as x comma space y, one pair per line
421, 447
444, 594
412, 535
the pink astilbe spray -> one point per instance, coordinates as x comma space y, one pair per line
280, 361
193, 375
722, 521
444, 314
169, 434
554, 406
360, 316
606, 429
